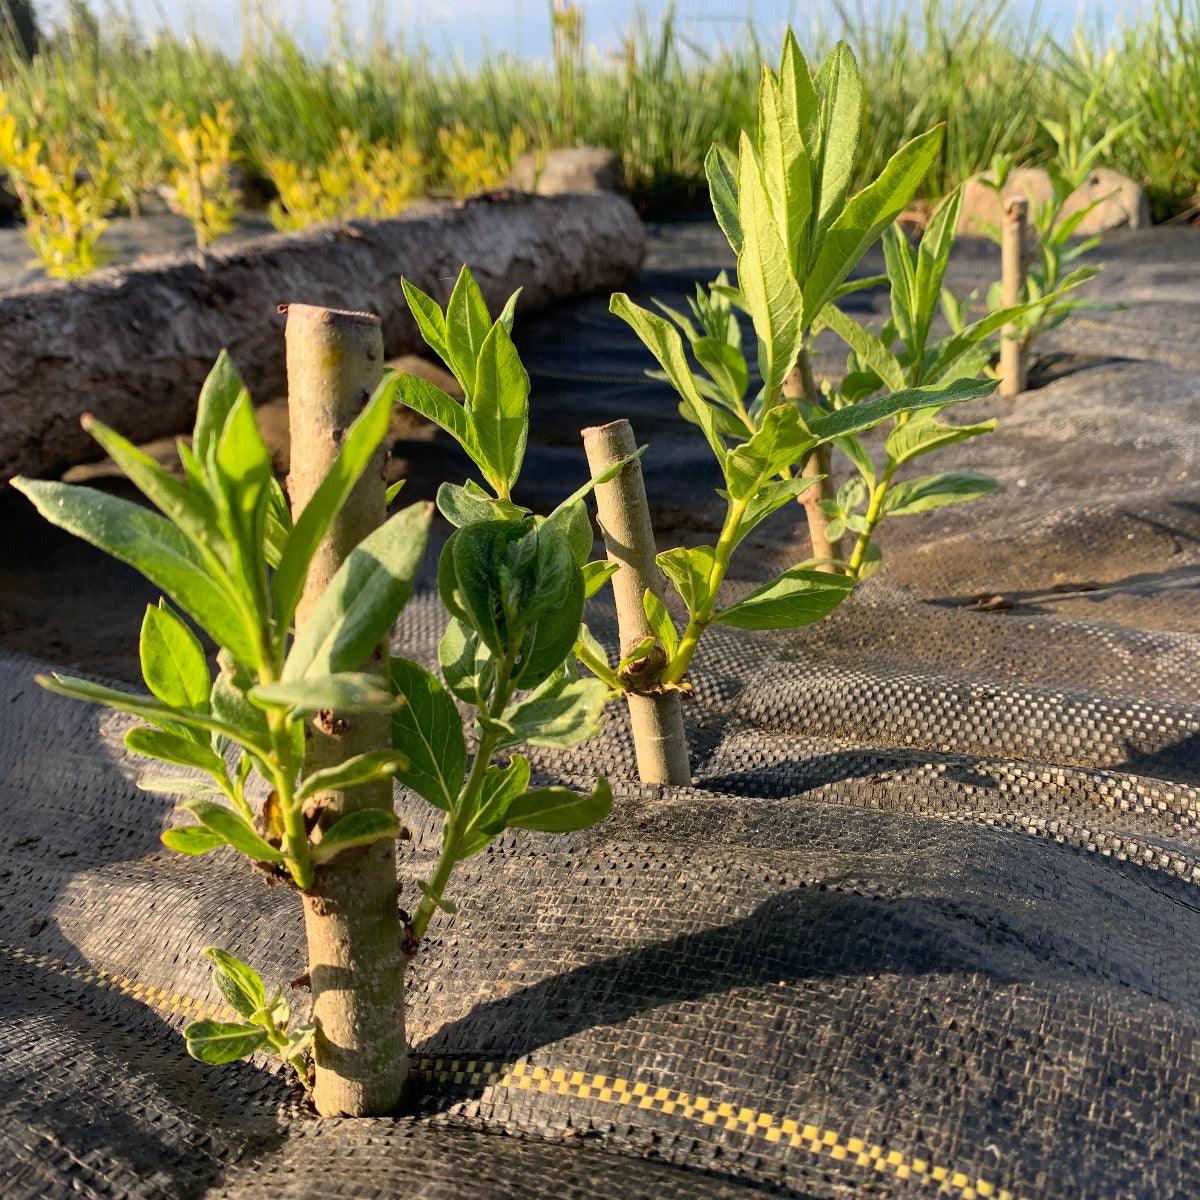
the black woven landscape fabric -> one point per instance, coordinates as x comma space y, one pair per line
927, 923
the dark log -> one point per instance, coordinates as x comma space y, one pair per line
133, 345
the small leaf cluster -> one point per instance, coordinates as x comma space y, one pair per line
200, 184
224, 551
65, 201
478, 161
1052, 277
905, 355
265, 1024
357, 180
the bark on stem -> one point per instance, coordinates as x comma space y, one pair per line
657, 720
800, 383
355, 939
1014, 234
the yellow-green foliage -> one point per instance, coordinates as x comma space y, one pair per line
199, 179
137, 159
373, 181
477, 162
64, 199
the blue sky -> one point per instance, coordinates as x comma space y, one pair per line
466, 27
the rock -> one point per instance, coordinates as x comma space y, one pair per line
583, 169
1123, 202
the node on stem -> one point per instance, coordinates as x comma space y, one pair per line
656, 717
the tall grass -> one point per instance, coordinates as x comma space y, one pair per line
659, 101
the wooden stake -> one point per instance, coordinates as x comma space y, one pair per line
657, 720
355, 938
1014, 234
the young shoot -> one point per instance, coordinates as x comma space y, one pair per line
783, 200
1052, 277
903, 356
783, 204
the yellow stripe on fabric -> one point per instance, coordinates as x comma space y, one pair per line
526, 1077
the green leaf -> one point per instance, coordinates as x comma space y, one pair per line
179, 785
240, 468
467, 665
470, 503
870, 350
933, 491
439, 407
786, 169
866, 216
221, 391
769, 497
727, 366
150, 544
519, 587
902, 277
661, 339
780, 442
563, 712
924, 434
467, 325
855, 418
560, 810
146, 707
359, 769
772, 295
501, 785
241, 985
229, 703
172, 748
363, 827
853, 448
427, 729
572, 520
192, 840
235, 829
358, 447
660, 622
173, 662
840, 90
720, 166
431, 322
359, 607
509, 312
500, 408
689, 570
799, 93
190, 509
219, 1042
933, 257
341, 693
797, 597
596, 575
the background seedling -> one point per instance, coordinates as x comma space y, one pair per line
199, 180
65, 201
